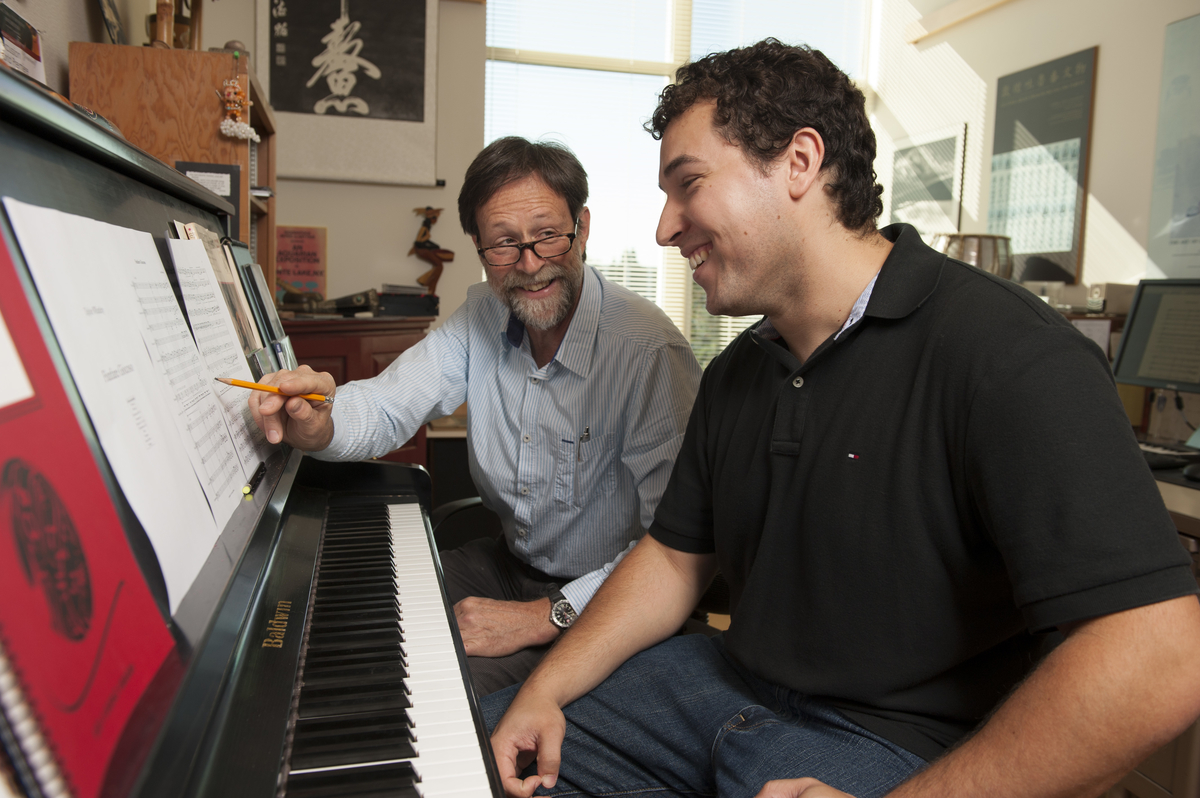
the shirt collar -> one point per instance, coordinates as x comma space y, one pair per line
575, 351
766, 330
860, 306
908, 276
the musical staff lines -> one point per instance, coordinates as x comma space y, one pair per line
220, 347
199, 418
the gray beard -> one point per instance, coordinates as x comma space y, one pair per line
542, 314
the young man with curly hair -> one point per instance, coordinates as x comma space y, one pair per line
917, 478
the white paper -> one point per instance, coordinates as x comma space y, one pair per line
218, 183
217, 340
1098, 330
198, 418
92, 312
231, 286
14, 387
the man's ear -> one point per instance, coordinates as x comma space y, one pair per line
804, 158
585, 226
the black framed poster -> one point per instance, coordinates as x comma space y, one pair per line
359, 59
1039, 165
352, 83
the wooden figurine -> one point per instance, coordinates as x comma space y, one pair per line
425, 249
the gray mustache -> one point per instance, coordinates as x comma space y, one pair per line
514, 280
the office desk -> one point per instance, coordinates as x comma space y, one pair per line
1184, 504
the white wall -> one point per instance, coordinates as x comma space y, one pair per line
951, 77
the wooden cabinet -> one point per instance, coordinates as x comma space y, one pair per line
357, 349
169, 103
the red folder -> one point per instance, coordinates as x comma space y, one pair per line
78, 624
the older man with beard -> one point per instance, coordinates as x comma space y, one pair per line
578, 393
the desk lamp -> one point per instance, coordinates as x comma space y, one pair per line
988, 252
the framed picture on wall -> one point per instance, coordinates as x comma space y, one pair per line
353, 85
1174, 247
927, 172
1039, 165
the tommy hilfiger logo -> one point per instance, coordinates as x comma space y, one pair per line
853, 456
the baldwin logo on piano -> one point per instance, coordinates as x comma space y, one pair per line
277, 626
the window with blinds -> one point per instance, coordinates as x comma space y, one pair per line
589, 74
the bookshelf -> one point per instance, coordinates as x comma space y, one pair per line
168, 103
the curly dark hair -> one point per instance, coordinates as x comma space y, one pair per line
514, 158
764, 94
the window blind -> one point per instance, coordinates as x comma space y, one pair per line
589, 74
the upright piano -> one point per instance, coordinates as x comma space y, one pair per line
315, 654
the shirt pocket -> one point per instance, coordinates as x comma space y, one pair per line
587, 472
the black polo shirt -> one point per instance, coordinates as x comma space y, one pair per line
902, 515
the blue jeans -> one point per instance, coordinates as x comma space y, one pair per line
682, 718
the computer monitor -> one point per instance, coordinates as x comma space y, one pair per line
1160, 346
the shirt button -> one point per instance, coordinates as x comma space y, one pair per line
524, 491
525, 438
534, 380
522, 532
798, 382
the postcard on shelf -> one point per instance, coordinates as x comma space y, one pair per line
300, 260
222, 179
20, 45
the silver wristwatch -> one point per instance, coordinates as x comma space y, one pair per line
562, 614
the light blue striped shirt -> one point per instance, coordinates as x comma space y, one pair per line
573, 456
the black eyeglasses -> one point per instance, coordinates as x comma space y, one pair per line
549, 247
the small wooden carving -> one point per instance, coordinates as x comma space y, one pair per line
425, 249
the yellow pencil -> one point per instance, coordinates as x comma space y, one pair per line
257, 386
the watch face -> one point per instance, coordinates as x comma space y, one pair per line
562, 614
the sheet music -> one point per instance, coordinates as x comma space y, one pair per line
217, 340
197, 416
93, 314
231, 286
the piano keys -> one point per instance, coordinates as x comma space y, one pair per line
381, 690
367, 692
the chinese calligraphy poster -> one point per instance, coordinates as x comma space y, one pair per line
359, 58
354, 88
